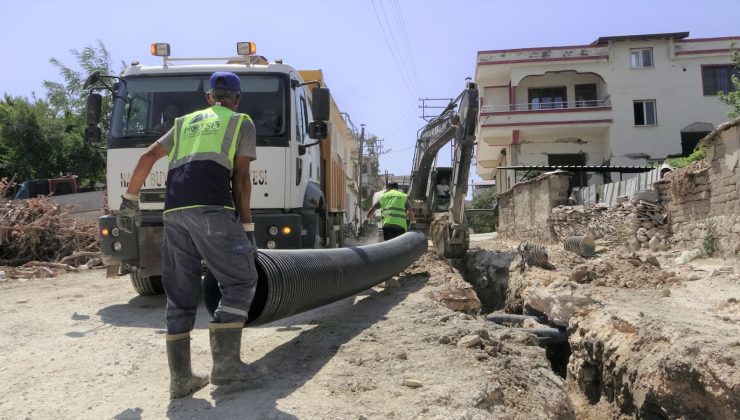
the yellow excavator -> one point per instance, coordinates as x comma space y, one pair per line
438, 194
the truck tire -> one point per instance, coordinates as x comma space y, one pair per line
146, 285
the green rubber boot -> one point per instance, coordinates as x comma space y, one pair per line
183, 381
228, 368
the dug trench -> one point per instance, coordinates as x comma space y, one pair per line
488, 273
632, 344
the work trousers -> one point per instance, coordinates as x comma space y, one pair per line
211, 234
392, 231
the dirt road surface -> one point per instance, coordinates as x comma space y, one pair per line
82, 346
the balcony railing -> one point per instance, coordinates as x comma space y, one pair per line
546, 106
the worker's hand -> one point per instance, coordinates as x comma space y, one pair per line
250, 236
249, 231
129, 215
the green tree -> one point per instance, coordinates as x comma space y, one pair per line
67, 101
485, 200
43, 138
25, 148
68, 97
732, 98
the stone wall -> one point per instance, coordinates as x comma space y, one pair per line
703, 199
525, 208
636, 224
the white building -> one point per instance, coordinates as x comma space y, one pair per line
621, 100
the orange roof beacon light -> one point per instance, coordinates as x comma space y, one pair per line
246, 48
160, 49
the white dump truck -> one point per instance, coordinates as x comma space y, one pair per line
292, 205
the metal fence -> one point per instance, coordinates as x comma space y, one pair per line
538, 106
608, 193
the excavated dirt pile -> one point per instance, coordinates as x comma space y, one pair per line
629, 271
651, 337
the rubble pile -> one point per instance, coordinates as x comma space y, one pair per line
638, 224
627, 271
38, 239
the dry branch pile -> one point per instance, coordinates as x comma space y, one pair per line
39, 239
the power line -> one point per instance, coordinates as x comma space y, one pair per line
407, 43
401, 123
410, 74
391, 47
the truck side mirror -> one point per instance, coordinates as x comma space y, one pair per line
92, 134
320, 103
93, 108
318, 130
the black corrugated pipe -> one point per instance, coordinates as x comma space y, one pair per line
292, 281
548, 335
516, 319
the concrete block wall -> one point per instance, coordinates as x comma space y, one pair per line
707, 208
524, 209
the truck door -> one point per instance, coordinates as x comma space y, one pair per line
303, 167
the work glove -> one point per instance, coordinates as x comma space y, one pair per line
129, 214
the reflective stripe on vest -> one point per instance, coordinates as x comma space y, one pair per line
202, 135
393, 208
202, 158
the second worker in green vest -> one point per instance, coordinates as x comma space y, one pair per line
395, 211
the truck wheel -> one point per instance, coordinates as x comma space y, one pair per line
146, 285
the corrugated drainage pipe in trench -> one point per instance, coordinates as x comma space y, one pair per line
294, 281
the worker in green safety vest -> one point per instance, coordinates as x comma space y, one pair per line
207, 217
395, 210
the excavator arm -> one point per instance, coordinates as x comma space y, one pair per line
457, 123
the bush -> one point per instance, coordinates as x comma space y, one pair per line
681, 162
484, 222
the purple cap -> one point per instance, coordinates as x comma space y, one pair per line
225, 80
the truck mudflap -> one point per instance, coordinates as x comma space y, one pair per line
141, 249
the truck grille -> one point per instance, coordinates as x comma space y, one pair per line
154, 195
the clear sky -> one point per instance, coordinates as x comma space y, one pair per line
378, 56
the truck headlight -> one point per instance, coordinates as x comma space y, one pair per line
117, 246
271, 244
273, 230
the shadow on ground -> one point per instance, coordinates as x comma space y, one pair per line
295, 362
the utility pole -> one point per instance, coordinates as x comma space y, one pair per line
359, 161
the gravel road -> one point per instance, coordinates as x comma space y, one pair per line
82, 346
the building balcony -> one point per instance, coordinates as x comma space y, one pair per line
501, 119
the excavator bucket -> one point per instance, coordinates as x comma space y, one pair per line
447, 242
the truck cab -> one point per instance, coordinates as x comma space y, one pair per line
290, 117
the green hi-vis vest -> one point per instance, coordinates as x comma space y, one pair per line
393, 208
202, 159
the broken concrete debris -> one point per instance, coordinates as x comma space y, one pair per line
638, 225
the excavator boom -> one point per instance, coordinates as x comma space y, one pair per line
456, 123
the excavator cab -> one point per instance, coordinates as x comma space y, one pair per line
440, 189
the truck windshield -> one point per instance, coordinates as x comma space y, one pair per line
146, 107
